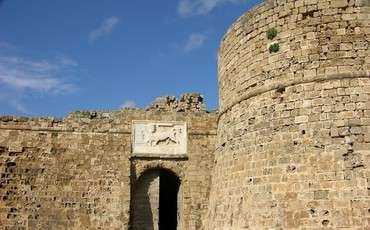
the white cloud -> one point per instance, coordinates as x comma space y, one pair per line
67, 61
105, 29
4, 44
195, 41
128, 104
19, 76
188, 8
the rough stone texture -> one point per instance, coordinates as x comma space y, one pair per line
77, 173
293, 133
292, 149
159, 139
189, 102
145, 202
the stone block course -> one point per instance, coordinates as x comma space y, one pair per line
289, 147
307, 139
77, 172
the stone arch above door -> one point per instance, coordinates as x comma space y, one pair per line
140, 166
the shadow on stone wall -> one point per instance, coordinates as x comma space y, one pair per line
145, 202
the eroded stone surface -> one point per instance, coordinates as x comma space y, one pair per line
189, 102
79, 173
159, 139
292, 144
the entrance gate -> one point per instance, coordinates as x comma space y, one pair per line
155, 201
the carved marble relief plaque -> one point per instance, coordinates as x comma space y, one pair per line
159, 139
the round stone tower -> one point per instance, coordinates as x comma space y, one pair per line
293, 145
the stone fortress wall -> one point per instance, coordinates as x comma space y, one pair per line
293, 141
289, 147
77, 173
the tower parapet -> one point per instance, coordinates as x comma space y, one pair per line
313, 40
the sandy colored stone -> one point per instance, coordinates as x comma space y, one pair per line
287, 149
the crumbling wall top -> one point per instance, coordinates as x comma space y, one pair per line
188, 107
188, 102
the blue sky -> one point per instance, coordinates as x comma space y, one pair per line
61, 56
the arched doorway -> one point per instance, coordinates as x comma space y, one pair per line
155, 201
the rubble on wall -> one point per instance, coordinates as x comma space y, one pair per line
74, 171
188, 102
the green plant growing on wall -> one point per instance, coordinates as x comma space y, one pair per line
271, 33
274, 48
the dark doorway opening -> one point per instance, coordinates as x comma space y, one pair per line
168, 190
155, 202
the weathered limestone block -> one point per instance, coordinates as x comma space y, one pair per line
292, 141
79, 172
190, 102
159, 139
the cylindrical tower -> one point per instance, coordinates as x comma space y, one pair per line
293, 145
